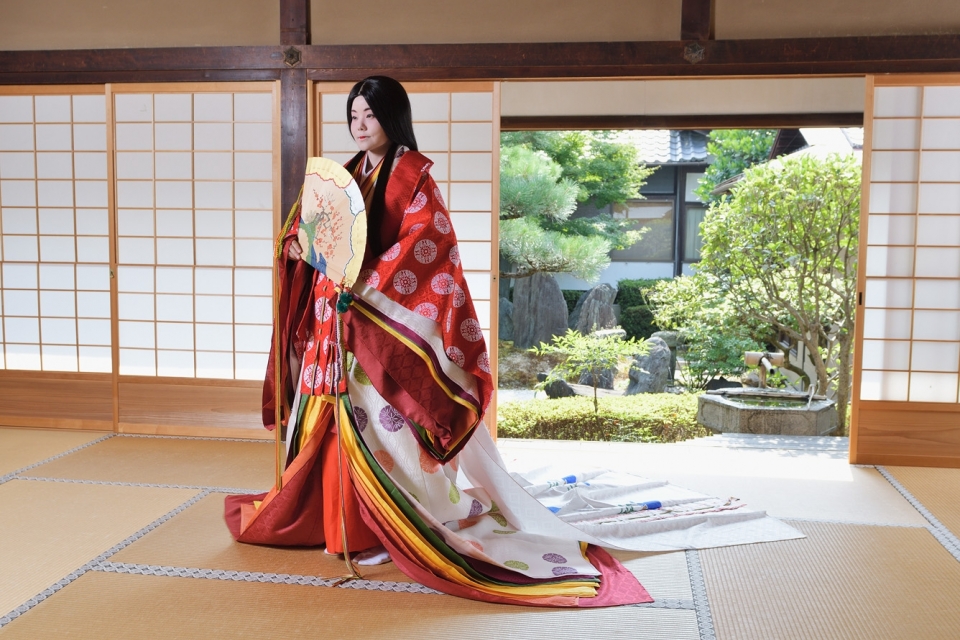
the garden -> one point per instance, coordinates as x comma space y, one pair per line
777, 274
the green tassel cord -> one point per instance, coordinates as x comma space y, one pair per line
343, 302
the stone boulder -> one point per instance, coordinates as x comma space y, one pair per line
539, 310
594, 310
505, 323
650, 373
723, 383
559, 389
671, 338
605, 380
607, 376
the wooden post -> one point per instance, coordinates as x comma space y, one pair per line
696, 19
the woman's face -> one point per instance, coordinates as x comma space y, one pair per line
366, 128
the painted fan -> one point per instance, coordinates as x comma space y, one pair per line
333, 221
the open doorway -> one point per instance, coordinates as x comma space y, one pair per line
636, 294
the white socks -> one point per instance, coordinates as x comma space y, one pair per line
370, 557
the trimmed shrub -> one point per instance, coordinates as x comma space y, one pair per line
630, 292
571, 296
638, 321
653, 417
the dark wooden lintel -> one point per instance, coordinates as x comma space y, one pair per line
728, 121
172, 75
805, 56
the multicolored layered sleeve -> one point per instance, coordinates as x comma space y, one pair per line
412, 325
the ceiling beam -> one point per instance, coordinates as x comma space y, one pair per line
798, 56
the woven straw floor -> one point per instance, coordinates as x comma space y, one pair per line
842, 581
124, 538
108, 606
937, 489
22, 447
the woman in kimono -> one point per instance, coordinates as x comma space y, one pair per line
418, 476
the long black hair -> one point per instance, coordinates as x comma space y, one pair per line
389, 102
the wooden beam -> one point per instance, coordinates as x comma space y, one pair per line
797, 56
707, 121
807, 56
697, 19
293, 136
171, 75
294, 22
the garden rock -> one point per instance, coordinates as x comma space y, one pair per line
604, 380
559, 389
650, 373
751, 379
594, 310
505, 322
723, 383
539, 310
671, 338
606, 377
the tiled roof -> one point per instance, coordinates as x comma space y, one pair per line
855, 136
664, 146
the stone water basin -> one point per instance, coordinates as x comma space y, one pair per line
767, 411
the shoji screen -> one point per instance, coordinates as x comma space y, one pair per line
136, 227
196, 195
909, 324
457, 126
55, 338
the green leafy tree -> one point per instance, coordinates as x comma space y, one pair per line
588, 355
605, 169
533, 196
783, 251
713, 334
542, 176
733, 151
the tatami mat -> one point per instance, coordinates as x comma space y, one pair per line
664, 575
212, 547
22, 447
49, 529
110, 606
842, 581
194, 462
937, 489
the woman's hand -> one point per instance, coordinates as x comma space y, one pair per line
293, 251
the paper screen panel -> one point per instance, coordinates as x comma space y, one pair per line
54, 233
195, 211
911, 325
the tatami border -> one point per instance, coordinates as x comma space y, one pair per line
13, 474
700, 600
943, 535
117, 483
215, 439
66, 580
